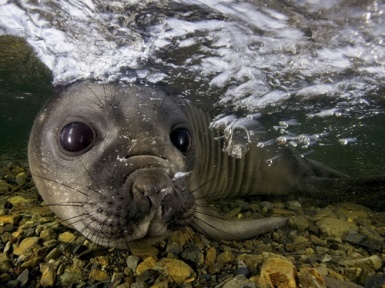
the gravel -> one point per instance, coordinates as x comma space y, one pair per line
323, 245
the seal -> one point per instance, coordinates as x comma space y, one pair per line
127, 163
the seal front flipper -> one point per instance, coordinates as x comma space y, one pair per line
206, 221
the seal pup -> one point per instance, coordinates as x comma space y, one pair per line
126, 163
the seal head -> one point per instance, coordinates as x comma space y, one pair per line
112, 161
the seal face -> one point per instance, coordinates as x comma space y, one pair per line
113, 161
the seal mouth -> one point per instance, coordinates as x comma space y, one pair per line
148, 202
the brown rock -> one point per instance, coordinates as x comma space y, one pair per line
311, 278
335, 228
4, 186
5, 263
19, 201
225, 257
98, 275
67, 237
176, 271
277, 272
27, 246
101, 260
143, 250
211, 256
48, 275
9, 219
148, 263
72, 274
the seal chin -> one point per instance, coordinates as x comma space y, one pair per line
147, 232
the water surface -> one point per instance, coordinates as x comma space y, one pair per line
311, 71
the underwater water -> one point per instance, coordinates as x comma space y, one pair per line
312, 72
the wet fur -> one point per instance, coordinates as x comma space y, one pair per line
304, 176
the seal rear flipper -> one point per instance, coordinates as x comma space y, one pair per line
207, 222
368, 191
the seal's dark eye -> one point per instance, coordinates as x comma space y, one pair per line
76, 137
181, 138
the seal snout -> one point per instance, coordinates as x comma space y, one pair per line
152, 184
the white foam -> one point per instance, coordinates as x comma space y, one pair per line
252, 55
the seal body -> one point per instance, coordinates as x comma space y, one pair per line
125, 163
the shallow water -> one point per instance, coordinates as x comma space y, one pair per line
312, 70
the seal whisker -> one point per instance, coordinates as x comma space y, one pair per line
77, 218
99, 102
90, 235
207, 196
62, 184
93, 179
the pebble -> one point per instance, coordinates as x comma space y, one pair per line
132, 262
311, 278
373, 261
67, 237
19, 201
4, 186
276, 271
143, 250
48, 275
242, 271
48, 234
21, 178
336, 228
239, 281
251, 261
28, 245
234, 212
149, 276
301, 243
176, 271
148, 263
160, 284
225, 257
337, 283
294, 205
98, 275
53, 254
23, 277
211, 256
9, 219
299, 222
352, 211
138, 285
72, 274
194, 254
102, 261
331, 246
5, 263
